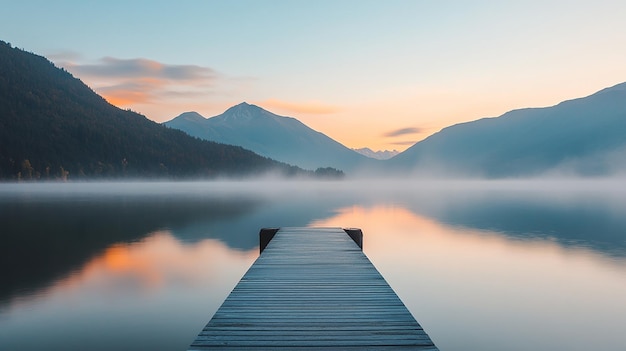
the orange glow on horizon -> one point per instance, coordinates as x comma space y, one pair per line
353, 124
290, 108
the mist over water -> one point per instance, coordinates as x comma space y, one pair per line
481, 264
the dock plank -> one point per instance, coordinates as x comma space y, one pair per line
313, 289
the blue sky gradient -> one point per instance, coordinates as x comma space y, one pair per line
354, 70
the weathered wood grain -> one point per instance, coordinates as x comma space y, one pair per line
312, 289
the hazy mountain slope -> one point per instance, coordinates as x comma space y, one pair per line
51, 124
585, 136
282, 138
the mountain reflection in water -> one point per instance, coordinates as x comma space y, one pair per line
135, 265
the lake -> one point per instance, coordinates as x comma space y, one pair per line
482, 265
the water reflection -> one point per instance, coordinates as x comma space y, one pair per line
45, 236
593, 220
478, 290
481, 266
156, 293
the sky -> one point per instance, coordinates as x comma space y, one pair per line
378, 74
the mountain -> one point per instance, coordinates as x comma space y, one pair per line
52, 126
378, 155
585, 136
281, 138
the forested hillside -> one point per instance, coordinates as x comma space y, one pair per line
52, 126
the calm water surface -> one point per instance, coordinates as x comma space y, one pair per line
481, 265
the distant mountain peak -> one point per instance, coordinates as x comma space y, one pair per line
244, 106
378, 155
191, 116
244, 112
278, 137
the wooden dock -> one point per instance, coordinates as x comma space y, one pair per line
312, 289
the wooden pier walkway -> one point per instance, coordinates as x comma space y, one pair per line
312, 289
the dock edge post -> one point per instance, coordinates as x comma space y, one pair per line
356, 234
265, 236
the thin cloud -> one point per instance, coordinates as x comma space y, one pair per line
109, 67
127, 97
139, 91
310, 107
403, 142
128, 82
402, 131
